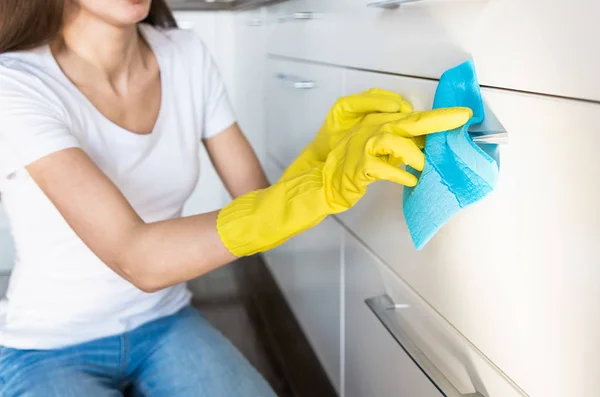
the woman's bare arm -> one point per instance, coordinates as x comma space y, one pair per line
235, 162
151, 256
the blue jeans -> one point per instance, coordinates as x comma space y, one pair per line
177, 356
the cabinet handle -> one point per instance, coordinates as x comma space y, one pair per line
390, 4
385, 310
255, 22
297, 16
296, 82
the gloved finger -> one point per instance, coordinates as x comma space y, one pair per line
381, 91
378, 170
382, 118
431, 121
420, 141
399, 150
362, 104
406, 107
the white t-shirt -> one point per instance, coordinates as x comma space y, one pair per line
60, 293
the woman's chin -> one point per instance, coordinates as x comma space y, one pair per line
131, 11
137, 13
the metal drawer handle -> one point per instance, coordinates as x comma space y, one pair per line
297, 16
255, 22
296, 82
390, 4
385, 309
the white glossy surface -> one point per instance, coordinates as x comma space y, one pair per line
518, 273
308, 270
7, 250
215, 29
295, 115
251, 48
3, 285
467, 369
3, 216
541, 46
375, 365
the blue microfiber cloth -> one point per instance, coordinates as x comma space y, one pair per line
457, 172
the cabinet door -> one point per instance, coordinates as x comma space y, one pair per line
299, 96
209, 193
289, 21
375, 365
517, 273
7, 250
308, 271
316, 293
3, 285
515, 43
250, 50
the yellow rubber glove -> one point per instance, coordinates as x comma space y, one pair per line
263, 219
346, 114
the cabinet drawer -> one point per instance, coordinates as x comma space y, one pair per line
308, 271
375, 365
248, 98
542, 46
299, 95
3, 285
509, 271
7, 250
3, 217
448, 359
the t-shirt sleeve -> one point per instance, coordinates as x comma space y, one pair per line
32, 124
218, 112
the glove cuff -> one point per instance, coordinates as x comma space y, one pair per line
264, 219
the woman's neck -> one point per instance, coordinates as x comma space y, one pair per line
113, 51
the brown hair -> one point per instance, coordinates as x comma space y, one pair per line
29, 23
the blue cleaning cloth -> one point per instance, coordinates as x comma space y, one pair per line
457, 172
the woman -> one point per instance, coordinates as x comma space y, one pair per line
103, 104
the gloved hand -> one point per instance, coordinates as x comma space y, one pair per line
263, 219
346, 114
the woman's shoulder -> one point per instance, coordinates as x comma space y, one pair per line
29, 65
25, 78
28, 62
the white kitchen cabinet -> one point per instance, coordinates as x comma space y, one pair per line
249, 99
216, 31
374, 363
308, 271
316, 295
3, 217
7, 249
3, 285
516, 44
7, 252
299, 96
288, 22
517, 273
